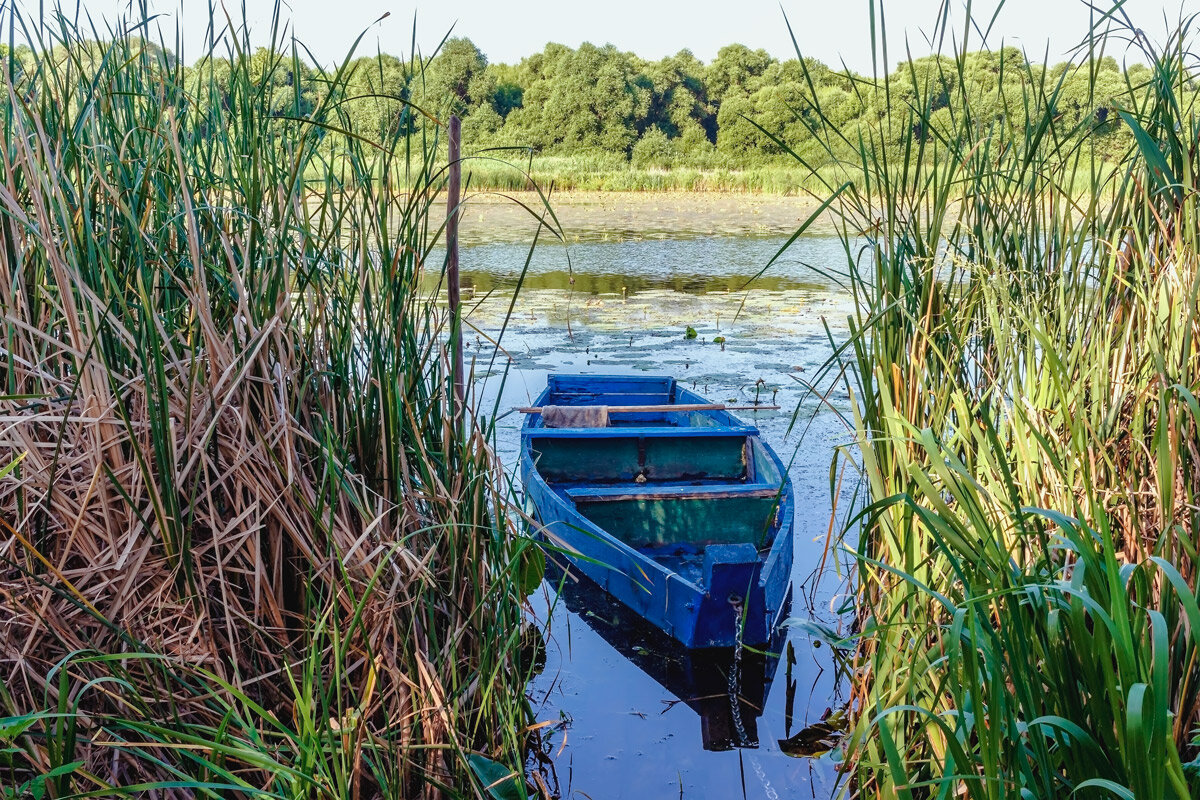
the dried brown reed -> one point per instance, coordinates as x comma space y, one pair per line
250, 549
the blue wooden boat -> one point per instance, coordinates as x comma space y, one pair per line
684, 515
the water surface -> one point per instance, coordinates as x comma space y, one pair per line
626, 713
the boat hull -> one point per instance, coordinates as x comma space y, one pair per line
702, 593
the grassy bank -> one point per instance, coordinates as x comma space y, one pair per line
248, 548
1025, 383
595, 174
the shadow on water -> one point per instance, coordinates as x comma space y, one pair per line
726, 690
714, 264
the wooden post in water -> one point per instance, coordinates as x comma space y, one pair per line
454, 196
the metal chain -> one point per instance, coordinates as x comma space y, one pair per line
735, 705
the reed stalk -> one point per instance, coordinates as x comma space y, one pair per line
248, 550
1024, 374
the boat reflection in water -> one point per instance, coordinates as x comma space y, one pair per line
728, 691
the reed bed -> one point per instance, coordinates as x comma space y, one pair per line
1024, 372
574, 173
249, 547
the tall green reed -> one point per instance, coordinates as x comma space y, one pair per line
1023, 368
253, 548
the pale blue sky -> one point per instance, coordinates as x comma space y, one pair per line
509, 29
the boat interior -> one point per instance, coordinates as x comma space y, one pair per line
667, 483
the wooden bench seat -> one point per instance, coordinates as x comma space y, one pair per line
618, 456
609, 494
635, 432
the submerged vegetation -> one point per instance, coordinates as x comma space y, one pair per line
1025, 383
248, 546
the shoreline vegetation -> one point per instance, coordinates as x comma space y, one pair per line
582, 176
249, 547
1024, 379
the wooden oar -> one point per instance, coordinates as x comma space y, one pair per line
651, 409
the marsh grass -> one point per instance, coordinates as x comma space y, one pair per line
250, 548
1024, 372
580, 173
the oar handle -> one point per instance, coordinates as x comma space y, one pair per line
676, 407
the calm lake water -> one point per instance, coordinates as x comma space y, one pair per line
611, 690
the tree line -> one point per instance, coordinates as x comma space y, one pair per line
747, 108
743, 109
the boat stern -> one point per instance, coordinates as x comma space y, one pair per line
734, 600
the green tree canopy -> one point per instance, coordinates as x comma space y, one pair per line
618, 108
